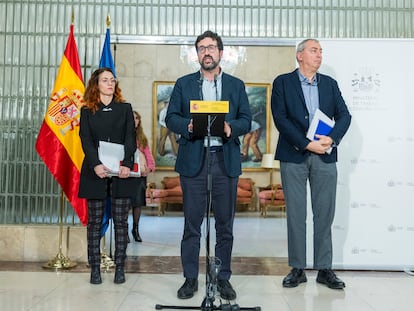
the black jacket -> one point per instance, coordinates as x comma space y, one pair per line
113, 123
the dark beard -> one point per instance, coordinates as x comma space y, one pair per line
210, 67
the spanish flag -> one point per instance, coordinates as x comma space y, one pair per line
58, 142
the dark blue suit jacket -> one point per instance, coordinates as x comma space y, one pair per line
291, 116
191, 151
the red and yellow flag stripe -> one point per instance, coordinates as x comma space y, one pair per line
58, 142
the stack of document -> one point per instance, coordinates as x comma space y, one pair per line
112, 154
322, 125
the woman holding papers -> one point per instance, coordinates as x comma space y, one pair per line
106, 117
138, 200
296, 98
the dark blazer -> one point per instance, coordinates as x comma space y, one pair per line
291, 116
191, 150
114, 123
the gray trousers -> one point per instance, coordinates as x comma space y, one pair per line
322, 179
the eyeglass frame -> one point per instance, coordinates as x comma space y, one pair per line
211, 48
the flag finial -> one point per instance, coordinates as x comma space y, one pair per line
108, 21
73, 16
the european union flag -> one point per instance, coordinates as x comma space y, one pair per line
107, 216
108, 62
106, 56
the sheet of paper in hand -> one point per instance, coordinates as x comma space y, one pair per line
112, 154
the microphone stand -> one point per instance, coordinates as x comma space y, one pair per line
211, 271
211, 287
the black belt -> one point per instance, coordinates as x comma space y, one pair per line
215, 149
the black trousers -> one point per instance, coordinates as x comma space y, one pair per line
224, 195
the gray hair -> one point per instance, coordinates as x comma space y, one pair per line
301, 46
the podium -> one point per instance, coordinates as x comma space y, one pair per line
208, 117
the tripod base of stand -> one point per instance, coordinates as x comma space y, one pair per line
208, 305
225, 307
106, 261
60, 262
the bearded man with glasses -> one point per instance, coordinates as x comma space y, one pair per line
212, 84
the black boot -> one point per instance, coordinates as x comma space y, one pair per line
96, 275
119, 275
135, 233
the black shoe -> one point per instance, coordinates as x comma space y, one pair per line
96, 275
329, 278
244, 158
119, 275
294, 278
226, 290
187, 290
135, 234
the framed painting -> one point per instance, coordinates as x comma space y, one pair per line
256, 143
164, 143
253, 145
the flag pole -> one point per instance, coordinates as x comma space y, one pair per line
108, 25
60, 261
106, 260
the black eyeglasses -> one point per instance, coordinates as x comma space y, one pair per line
202, 49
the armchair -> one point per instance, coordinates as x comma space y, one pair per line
271, 196
170, 193
246, 192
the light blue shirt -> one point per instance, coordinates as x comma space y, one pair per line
311, 94
212, 91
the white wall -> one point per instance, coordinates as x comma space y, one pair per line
374, 223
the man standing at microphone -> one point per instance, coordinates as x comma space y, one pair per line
210, 83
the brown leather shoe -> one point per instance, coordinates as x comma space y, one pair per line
294, 278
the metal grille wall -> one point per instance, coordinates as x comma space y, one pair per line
33, 35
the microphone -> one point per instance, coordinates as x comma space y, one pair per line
215, 86
201, 85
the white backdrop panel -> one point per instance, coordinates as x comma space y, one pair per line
374, 222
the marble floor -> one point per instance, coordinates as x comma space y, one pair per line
154, 275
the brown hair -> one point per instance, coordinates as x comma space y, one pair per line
92, 97
141, 137
210, 34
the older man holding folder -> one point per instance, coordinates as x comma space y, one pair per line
298, 97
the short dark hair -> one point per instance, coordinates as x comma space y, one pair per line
212, 35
